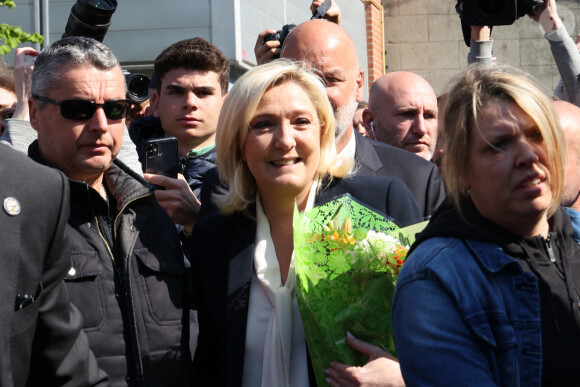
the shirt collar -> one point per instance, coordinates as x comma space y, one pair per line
200, 152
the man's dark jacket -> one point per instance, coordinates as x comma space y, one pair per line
41, 341
128, 280
222, 262
375, 158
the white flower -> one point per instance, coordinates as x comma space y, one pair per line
379, 244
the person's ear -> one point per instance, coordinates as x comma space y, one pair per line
368, 118
466, 187
360, 83
32, 112
155, 103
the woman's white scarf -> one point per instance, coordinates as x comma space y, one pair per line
278, 339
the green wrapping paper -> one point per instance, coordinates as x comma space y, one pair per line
347, 258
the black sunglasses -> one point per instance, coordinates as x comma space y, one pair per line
82, 109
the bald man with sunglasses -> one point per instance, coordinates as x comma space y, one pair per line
127, 274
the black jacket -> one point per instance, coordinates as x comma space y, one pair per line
41, 342
375, 158
222, 263
128, 280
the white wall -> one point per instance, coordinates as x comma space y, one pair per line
140, 29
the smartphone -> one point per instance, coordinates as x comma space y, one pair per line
161, 156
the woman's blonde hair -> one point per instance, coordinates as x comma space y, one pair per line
467, 95
234, 123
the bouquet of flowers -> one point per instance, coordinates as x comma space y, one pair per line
347, 258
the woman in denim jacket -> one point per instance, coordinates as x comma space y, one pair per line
489, 293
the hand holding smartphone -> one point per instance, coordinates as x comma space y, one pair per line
160, 157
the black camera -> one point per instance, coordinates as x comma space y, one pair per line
137, 87
495, 12
280, 35
90, 18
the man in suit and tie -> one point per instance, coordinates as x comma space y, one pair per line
41, 342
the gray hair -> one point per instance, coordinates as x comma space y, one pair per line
76, 50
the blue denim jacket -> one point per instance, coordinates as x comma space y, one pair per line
466, 314
575, 219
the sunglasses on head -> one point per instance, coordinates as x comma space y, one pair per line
82, 109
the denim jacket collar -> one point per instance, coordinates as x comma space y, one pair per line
491, 256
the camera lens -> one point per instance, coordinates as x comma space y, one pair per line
137, 87
152, 150
90, 18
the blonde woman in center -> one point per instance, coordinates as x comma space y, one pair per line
275, 148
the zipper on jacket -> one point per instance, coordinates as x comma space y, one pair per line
137, 344
98, 225
137, 349
548, 245
549, 248
103, 238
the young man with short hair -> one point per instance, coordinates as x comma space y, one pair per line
192, 78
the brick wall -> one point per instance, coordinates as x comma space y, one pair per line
374, 33
424, 36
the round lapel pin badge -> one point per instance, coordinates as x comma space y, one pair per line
12, 206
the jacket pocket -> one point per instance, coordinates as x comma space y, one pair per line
25, 319
500, 343
20, 342
85, 287
163, 288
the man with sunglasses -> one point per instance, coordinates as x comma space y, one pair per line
14, 117
127, 272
